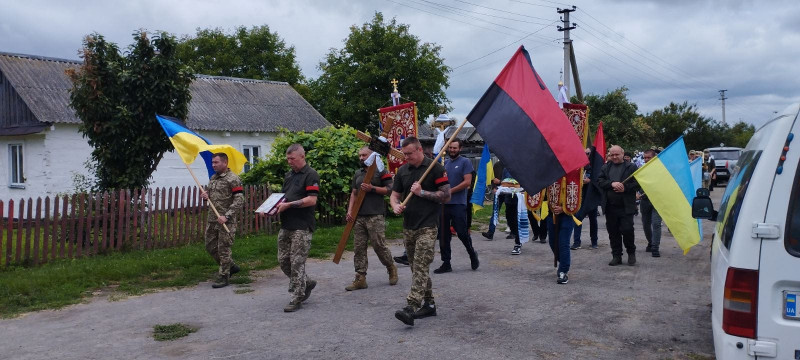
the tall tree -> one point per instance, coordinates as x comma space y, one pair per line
255, 53
621, 123
116, 97
739, 134
355, 79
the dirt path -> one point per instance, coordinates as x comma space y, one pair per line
510, 308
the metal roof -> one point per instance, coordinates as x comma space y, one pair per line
218, 103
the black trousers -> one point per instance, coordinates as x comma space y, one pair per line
511, 216
455, 215
620, 230
538, 228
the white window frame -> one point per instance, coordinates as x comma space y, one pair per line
251, 159
18, 161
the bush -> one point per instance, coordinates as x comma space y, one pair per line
331, 151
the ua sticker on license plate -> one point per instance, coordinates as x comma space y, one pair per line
790, 299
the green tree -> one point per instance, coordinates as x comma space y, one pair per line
254, 53
739, 134
116, 97
355, 80
330, 151
621, 123
675, 120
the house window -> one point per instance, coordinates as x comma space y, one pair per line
251, 152
16, 166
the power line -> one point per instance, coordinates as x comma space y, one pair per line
547, 6
505, 46
503, 11
450, 9
484, 14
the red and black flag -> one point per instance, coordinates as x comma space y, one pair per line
522, 124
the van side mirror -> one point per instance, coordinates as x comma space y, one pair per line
702, 207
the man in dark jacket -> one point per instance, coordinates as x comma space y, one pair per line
619, 204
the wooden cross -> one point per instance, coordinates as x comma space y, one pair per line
383, 149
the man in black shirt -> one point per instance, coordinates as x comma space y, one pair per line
301, 187
620, 204
420, 220
369, 225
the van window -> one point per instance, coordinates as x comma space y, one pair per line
734, 194
725, 154
792, 238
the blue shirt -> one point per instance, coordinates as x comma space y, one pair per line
456, 169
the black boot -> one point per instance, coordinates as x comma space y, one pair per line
406, 315
617, 260
425, 311
401, 259
235, 269
631, 259
473, 259
445, 268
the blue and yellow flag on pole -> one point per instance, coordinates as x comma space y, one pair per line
667, 181
485, 175
189, 144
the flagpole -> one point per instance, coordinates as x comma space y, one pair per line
435, 160
209, 200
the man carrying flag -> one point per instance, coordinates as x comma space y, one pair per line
225, 192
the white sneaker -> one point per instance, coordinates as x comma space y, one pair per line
517, 250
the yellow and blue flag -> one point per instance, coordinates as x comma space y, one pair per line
667, 181
188, 144
485, 175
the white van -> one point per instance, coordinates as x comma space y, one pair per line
755, 255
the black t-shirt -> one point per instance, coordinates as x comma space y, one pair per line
420, 212
297, 185
374, 204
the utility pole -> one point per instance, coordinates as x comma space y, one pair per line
722, 97
567, 42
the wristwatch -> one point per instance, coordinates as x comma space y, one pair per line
228, 217
422, 193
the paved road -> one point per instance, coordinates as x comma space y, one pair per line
510, 308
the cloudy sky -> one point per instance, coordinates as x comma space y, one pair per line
662, 50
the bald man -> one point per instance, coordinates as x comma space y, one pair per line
619, 204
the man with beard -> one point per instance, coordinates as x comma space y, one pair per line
459, 174
370, 225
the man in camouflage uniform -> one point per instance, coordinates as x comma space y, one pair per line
301, 187
370, 226
225, 192
420, 221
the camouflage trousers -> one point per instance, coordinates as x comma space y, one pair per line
370, 229
293, 246
219, 243
420, 249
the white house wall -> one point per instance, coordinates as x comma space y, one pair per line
54, 157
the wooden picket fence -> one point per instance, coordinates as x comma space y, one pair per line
69, 226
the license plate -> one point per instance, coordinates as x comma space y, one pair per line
722, 172
790, 299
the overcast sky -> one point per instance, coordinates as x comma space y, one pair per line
662, 50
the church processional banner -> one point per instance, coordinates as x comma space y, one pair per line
568, 190
404, 124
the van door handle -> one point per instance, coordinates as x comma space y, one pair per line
762, 348
765, 231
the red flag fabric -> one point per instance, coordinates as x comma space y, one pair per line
600, 141
522, 124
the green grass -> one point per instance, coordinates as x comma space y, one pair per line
481, 217
70, 281
171, 332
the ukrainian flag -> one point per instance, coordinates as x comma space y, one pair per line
485, 175
667, 181
189, 144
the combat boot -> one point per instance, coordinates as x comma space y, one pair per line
360, 282
617, 260
406, 315
310, 285
293, 306
631, 259
221, 282
425, 311
235, 269
392, 274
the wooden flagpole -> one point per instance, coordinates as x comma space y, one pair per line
209, 200
435, 160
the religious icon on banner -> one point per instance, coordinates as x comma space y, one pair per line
569, 189
404, 117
